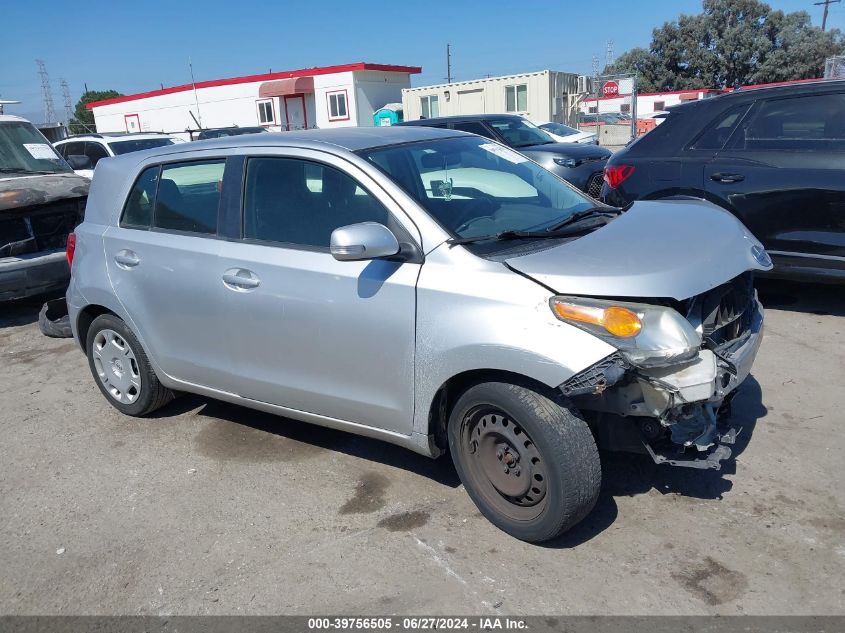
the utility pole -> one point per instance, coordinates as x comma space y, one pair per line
66, 97
46, 92
826, 4
448, 63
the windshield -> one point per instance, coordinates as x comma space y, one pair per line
473, 187
520, 133
24, 149
138, 144
560, 129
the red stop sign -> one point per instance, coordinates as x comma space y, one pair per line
611, 89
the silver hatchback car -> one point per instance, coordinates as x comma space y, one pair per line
426, 287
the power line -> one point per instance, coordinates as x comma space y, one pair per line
46, 92
826, 4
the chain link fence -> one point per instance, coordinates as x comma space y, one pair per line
834, 67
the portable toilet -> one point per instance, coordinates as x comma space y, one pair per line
389, 114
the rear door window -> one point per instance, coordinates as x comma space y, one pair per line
95, 151
188, 196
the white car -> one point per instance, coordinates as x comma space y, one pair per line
84, 150
565, 134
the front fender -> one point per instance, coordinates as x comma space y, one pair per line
486, 317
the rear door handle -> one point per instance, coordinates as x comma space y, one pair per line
240, 279
727, 178
127, 259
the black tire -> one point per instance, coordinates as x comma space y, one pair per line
149, 394
543, 475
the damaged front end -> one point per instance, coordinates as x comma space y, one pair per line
672, 400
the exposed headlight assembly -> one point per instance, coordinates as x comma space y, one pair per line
565, 162
648, 335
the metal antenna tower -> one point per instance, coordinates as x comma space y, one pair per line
46, 92
66, 98
608, 54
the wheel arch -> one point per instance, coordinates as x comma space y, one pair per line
448, 393
84, 319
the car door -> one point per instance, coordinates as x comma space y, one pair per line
308, 332
162, 262
783, 174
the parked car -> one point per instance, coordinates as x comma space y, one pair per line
426, 287
603, 118
580, 165
41, 201
83, 151
220, 132
565, 134
774, 157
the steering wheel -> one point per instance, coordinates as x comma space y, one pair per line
480, 209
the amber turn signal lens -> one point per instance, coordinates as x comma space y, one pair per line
621, 322
617, 320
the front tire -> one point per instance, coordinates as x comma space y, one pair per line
121, 368
528, 462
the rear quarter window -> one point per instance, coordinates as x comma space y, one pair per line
138, 210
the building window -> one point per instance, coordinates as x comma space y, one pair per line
337, 105
659, 105
625, 107
266, 112
516, 98
593, 109
429, 107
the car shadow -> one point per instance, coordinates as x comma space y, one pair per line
820, 299
623, 474
20, 312
440, 471
627, 475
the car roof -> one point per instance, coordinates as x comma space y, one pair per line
349, 139
8, 118
113, 137
462, 117
762, 92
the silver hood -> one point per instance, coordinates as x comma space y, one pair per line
667, 248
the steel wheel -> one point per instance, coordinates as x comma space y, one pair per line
504, 463
116, 366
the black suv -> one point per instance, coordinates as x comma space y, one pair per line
580, 165
774, 157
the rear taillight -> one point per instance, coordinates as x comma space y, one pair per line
615, 175
71, 248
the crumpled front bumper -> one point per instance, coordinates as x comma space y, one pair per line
673, 413
724, 370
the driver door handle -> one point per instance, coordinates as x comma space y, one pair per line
240, 279
727, 178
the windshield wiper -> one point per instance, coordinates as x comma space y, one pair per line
592, 212
514, 235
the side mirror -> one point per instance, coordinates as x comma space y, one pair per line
366, 240
77, 161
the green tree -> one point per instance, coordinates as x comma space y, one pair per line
83, 118
731, 43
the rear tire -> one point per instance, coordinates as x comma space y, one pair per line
529, 462
121, 368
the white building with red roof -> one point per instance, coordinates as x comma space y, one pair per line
332, 96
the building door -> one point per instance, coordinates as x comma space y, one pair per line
133, 122
471, 101
295, 111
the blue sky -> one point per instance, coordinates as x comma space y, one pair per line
133, 47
